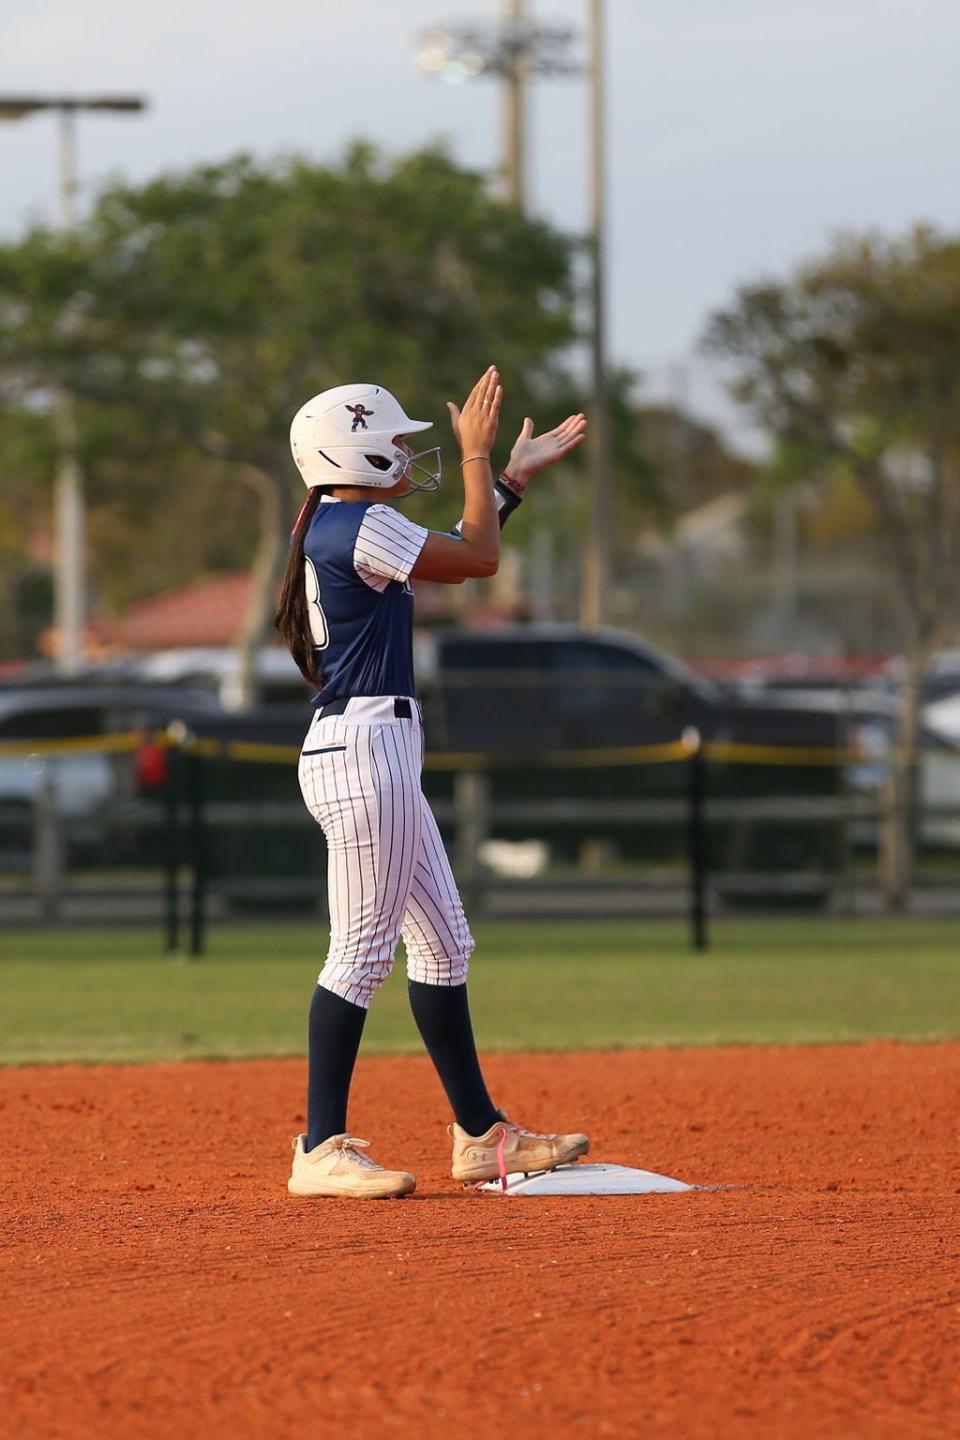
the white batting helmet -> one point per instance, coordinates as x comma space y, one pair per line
345, 436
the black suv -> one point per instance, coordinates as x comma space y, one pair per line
540, 687
523, 692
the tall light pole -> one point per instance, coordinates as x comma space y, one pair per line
516, 51
70, 569
595, 569
514, 117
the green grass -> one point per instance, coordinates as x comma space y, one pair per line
109, 995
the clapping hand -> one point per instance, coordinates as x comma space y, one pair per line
475, 426
532, 453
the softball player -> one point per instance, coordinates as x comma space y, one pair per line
346, 612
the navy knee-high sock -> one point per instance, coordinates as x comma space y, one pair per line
443, 1019
334, 1032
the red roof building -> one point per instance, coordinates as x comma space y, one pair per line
211, 612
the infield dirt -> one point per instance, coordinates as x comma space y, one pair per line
158, 1281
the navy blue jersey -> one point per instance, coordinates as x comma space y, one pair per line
358, 559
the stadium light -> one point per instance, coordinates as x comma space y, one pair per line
514, 50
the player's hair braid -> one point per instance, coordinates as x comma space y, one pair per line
292, 619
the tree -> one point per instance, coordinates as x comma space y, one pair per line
690, 457
191, 316
853, 366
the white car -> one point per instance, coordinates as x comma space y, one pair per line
944, 717
218, 670
86, 786
873, 716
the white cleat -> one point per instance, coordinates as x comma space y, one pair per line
339, 1166
507, 1149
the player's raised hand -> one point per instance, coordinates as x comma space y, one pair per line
532, 453
475, 426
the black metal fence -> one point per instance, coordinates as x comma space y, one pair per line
185, 832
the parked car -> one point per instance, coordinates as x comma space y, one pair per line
940, 691
524, 692
941, 677
89, 788
524, 696
943, 717
870, 717
217, 669
555, 687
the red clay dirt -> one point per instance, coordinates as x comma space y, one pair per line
158, 1281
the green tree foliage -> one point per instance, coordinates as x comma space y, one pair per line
689, 459
853, 366
242, 289
192, 315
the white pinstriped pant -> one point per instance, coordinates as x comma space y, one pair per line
388, 873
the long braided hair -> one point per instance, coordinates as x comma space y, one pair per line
292, 618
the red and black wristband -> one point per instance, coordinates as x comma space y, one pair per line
507, 501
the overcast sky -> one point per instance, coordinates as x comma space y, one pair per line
741, 132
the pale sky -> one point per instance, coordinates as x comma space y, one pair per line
742, 133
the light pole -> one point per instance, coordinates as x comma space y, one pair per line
515, 51
595, 570
514, 117
70, 569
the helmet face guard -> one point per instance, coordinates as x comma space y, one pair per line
432, 471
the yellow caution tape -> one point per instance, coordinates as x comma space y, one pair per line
135, 740
261, 753
665, 754
85, 745
670, 752
735, 752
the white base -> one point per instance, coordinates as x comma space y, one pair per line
588, 1180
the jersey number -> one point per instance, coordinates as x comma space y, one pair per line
319, 628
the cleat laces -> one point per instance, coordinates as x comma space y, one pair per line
503, 1140
508, 1128
351, 1148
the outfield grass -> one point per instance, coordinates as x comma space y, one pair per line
109, 995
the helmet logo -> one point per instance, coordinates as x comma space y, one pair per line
359, 414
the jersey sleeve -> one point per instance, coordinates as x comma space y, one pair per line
387, 546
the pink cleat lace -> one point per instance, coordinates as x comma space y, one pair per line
507, 1149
